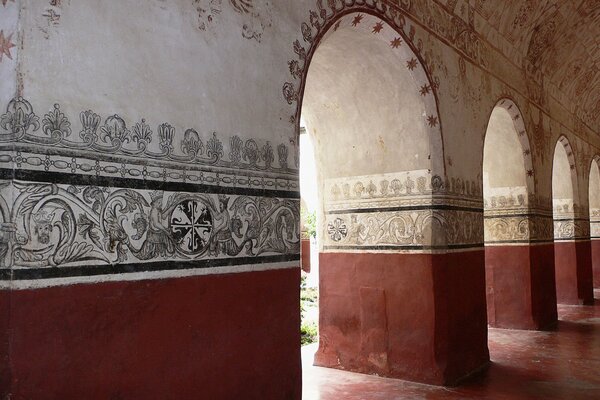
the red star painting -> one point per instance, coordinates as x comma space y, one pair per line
411, 64
378, 27
357, 19
432, 121
5, 45
396, 43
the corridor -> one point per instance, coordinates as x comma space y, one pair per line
561, 364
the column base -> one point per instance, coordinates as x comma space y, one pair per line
419, 317
521, 286
573, 266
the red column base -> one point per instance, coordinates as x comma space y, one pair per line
521, 286
232, 336
595, 244
419, 317
573, 266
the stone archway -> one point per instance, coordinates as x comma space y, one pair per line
594, 201
519, 260
571, 232
387, 216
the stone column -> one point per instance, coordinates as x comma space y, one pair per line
573, 254
391, 299
519, 263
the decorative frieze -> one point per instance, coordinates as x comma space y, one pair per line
109, 147
64, 230
571, 229
595, 223
403, 229
523, 228
408, 188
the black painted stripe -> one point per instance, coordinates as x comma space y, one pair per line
570, 219
524, 241
404, 208
573, 239
132, 183
92, 156
523, 215
107, 269
405, 247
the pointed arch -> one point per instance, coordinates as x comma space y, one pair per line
564, 180
594, 205
386, 23
508, 175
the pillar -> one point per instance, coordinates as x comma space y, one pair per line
573, 258
519, 258
595, 245
402, 286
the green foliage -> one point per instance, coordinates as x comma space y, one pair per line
310, 222
309, 330
308, 333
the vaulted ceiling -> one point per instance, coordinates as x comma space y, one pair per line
556, 41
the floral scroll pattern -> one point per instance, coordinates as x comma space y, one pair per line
50, 225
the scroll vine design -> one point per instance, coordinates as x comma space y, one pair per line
51, 225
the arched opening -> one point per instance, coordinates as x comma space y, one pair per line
519, 278
572, 251
594, 200
370, 112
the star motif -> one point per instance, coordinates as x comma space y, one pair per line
572, 167
527, 152
357, 19
411, 64
425, 90
530, 172
396, 43
432, 121
5, 45
378, 27
6, 1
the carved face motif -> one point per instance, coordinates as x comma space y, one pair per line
42, 230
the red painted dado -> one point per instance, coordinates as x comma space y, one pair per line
305, 255
573, 266
232, 336
595, 244
521, 286
420, 317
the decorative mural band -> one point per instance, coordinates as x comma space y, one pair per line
595, 223
109, 147
571, 229
408, 188
518, 228
402, 211
426, 228
59, 230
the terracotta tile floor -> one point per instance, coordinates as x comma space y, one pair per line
563, 364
